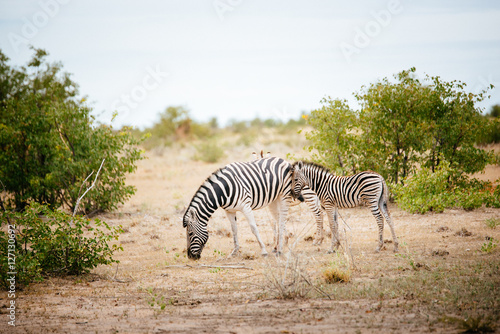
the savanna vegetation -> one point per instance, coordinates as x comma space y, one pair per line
175, 126
421, 135
50, 145
62, 173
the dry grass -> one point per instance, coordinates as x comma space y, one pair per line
286, 278
339, 270
437, 276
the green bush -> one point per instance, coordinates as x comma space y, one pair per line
52, 242
49, 141
174, 125
491, 131
209, 151
435, 191
335, 136
402, 124
492, 222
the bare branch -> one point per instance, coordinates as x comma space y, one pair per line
89, 188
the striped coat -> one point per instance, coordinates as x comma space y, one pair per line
368, 188
240, 186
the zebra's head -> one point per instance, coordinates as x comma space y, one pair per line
299, 181
196, 234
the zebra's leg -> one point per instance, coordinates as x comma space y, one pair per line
283, 205
316, 209
247, 211
385, 212
234, 227
380, 222
273, 208
312, 201
332, 218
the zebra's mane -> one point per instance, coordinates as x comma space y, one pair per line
312, 164
203, 184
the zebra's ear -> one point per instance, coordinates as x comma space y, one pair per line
299, 165
188, 216
185, 218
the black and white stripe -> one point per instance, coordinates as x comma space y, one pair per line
307, 196
240, 186
368, 188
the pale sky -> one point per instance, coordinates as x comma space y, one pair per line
238, 59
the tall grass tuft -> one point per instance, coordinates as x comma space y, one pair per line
338, 270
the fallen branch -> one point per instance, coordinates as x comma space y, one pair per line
208, 266
225, 267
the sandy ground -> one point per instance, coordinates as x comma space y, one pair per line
156, 289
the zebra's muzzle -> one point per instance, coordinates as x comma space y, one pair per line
193, 256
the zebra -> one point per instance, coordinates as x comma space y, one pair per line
240, 186
345, 192
307, 196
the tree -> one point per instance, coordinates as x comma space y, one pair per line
455, 125
495, 111
49, 141
402, 124
335, 135
392, 121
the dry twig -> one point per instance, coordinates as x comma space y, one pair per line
86, 191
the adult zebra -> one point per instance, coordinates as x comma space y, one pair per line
345, 192
240, 186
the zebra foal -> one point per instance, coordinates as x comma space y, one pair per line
334, 192
240, 186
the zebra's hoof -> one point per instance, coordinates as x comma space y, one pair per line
264, 254
331, 251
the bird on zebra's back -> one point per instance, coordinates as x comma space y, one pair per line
261, 155
334, 192
240, 186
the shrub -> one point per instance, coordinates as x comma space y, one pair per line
435, 191
334, 274
339, 270
49, 141
489, 246
491, 132
335, 136
401, 125
52, 242
209, 151
492, 222
287, 279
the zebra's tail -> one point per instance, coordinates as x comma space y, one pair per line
384, 196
